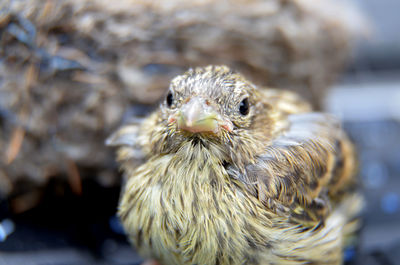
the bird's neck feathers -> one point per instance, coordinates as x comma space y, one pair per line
195, 161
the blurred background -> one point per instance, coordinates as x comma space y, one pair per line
72, 71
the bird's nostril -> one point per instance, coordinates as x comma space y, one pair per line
171, 119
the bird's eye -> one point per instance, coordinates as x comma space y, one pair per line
244, 106
170, 99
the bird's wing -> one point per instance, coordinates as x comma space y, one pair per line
305, 170
134, 139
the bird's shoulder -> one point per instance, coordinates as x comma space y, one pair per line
284, 101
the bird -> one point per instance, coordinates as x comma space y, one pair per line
225, 172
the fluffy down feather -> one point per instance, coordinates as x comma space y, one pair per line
272, 183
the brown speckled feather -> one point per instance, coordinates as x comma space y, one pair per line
272, 184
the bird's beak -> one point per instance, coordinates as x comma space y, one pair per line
197, 116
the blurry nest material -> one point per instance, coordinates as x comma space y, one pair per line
70, 69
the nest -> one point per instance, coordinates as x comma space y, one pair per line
72, 71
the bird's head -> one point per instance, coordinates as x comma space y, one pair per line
214, 106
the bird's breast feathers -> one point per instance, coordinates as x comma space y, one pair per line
187, 210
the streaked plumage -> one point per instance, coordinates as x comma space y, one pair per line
225, 173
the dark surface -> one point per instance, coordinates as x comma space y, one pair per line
69, 229
378, 143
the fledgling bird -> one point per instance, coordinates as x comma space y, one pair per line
232, 174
